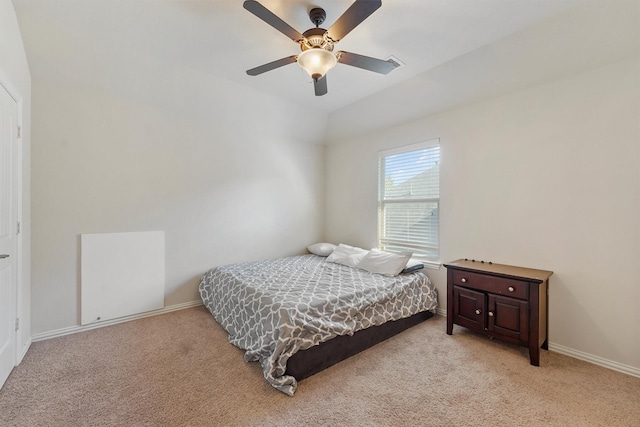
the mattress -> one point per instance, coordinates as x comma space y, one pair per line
275, 308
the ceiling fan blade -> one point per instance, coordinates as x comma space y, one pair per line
270, 18
357, 12
272, 65
366, 62
320, 86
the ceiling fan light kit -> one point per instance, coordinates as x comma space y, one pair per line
316, 62
316, 44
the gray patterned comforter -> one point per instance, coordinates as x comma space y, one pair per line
274, 308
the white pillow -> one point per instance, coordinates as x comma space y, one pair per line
346, 255
322, 249
384, 262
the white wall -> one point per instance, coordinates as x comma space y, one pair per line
14, 67
547, 177
227, 172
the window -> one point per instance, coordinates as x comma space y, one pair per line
409, 200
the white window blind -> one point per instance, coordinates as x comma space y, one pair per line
409, 200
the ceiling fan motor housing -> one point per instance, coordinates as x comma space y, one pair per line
316, 38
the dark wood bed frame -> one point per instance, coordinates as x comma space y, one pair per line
307, 362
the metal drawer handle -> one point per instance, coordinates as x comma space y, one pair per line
4, 256
463, 280
511, 289
491, 314
478, 311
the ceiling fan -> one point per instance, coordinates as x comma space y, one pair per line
317, 44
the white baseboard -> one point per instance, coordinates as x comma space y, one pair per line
625, 369
23, 351
98, 324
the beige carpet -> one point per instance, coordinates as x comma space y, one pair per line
179, 370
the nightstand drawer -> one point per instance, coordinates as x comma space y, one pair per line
496, 285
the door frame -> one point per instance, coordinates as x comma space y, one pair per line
23, 313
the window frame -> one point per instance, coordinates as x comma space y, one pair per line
382, 155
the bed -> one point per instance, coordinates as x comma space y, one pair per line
298, 315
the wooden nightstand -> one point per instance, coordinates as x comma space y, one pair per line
501, 301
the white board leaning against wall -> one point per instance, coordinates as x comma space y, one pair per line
121, 274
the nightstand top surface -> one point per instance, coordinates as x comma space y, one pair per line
500, 269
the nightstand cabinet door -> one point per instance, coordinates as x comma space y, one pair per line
469, 308
508, 318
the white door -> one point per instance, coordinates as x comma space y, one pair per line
8, 229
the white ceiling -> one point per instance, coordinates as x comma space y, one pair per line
219, 37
